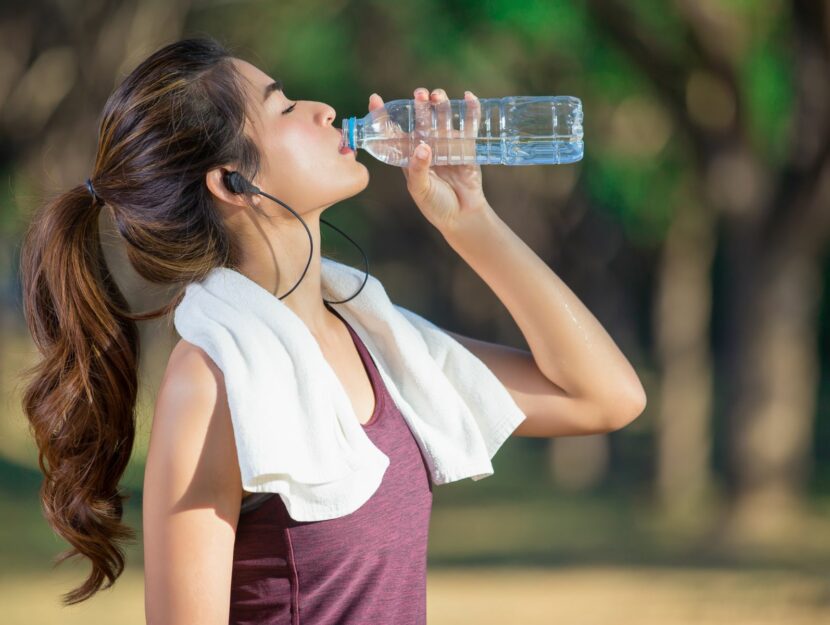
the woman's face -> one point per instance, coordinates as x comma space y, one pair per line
299, 142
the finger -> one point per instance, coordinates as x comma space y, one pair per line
472, 115
375, 102
442, 120
417, 181
423, 115
469, 122
443, 112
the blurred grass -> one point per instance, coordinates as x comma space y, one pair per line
576, 595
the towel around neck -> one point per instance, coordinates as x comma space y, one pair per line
295, 429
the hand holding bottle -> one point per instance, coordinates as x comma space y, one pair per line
444, 194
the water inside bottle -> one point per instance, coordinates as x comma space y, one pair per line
521, 130
486, 150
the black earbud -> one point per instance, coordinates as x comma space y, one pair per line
236, 183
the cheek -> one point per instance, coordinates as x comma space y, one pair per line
297, 151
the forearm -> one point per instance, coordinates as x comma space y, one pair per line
569, 345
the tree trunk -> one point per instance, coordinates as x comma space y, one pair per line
682, 318
773, 387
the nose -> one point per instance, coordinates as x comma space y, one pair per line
329, 114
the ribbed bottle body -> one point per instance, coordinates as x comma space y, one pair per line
515, 130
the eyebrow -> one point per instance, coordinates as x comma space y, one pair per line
274, 86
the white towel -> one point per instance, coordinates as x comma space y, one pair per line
295, 428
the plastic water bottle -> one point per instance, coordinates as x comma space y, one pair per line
516, 130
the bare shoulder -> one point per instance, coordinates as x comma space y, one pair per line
195, 361
192, 375
192, 417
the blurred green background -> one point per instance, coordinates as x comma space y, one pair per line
695, 229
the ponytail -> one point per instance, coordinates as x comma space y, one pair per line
80, 397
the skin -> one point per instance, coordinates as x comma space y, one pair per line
302, 166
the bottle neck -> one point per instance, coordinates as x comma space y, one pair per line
353, 129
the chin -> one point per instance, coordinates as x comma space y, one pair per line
366, 169
364, 180
352, 191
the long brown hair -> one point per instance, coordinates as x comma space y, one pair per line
178, 114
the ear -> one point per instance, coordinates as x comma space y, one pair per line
226, 199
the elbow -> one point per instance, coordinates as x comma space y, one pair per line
627, 406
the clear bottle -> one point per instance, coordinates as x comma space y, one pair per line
516, 130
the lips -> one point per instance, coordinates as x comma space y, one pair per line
343, 144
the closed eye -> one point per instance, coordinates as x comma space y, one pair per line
289, 109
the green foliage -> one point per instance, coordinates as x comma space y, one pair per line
663, 25
562, 25
638, 192
767, 84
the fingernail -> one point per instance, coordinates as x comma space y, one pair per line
421, 151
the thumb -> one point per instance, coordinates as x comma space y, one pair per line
418, 178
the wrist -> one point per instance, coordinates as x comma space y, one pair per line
471, 224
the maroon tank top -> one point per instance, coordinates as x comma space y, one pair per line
364, 568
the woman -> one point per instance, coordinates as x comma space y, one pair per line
170, 134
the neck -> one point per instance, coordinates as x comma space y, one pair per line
278, 272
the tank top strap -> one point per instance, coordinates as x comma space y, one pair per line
371, 369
